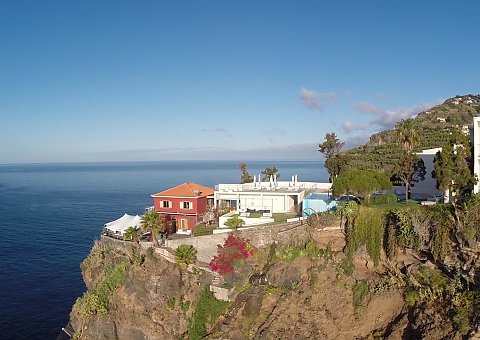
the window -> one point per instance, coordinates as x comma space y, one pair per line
186, 205
165, 204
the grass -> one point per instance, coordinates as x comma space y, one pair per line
201, 231
255, 214
207, 311
282, 217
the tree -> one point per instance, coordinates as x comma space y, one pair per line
452, 169
331, 148
185, 254
245, 176
361, 183
270, 172
409, 169
234, 222
153, 223
131, 234
407, 134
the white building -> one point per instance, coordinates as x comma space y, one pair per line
427, 189
475, 140
272, 196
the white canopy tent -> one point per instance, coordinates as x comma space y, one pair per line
119, 226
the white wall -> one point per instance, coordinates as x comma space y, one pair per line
427, 188
476, 151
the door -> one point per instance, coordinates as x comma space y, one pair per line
183, 224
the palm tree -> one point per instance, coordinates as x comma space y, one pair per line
407, 134
185, 254
153, 223
131, 234
234, 222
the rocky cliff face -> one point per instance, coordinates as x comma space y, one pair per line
314, 295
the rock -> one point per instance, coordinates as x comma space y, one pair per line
282, 275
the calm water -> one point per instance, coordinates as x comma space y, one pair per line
50, 214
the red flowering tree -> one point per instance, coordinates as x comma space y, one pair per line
233, 252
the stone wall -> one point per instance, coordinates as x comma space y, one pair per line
260, 236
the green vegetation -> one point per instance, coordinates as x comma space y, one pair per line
452, 167
368, 230
361, 183
410, 169
131, 234
185, 254
207, 311
234, 222
387, 198
153, 223
282, 217
360, 291
245, 177
289, 253
433, 129
96, 302
270, 172
346, 265
201, 231
185, 306
331, 148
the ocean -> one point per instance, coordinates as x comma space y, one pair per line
50, 215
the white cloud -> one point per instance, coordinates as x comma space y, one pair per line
354, 141
303, 151
386, 119
316, 100
218, 130
350, 127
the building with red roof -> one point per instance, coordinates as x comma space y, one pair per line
183, 206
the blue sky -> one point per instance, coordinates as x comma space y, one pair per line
160, 80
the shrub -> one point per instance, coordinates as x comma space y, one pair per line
96, 302
185, 306
347, 266
312, 249
234, 222
234, 251
387, 198
367, 230
466, 310
360, 291
201, 231
289, 253
185, 254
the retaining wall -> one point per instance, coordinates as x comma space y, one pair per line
260, 236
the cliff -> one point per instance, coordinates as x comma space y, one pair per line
298, 288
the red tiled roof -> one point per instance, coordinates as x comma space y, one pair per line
188, 189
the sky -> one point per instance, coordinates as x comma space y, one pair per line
243, 80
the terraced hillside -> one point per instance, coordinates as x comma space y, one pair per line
435, 125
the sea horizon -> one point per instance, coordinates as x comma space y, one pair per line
52, 214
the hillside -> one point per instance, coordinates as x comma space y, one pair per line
434, 125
